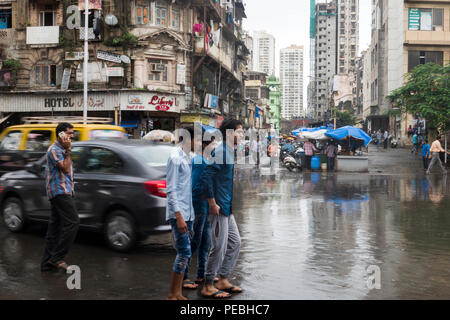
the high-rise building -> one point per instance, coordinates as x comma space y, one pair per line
325, 59
263, 52
291, 77
348, 35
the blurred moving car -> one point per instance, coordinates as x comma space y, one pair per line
120, 190
27, 143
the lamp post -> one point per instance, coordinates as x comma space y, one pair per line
86, 59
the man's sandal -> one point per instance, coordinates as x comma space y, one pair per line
189, 283
215, 295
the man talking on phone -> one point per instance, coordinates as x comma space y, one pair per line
64, 220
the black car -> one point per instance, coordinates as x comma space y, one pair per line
120, 190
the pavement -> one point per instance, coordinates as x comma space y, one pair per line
304, 236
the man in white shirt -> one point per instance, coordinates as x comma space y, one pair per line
435, 150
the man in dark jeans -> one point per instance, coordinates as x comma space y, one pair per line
64, 220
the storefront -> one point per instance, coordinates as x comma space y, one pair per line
150, 111
188, 119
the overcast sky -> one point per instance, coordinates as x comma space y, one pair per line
288, 22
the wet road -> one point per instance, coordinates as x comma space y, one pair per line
304, 236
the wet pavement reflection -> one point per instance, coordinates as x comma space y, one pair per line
304, 236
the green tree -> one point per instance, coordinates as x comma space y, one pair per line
426, 92
344, 118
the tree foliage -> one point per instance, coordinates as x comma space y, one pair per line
344, 118
426, 92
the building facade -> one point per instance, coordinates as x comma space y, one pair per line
263, 53
325, 59
291, 77
257, 96
275, 102
159, 64
348, 35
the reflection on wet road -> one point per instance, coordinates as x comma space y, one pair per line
304, 236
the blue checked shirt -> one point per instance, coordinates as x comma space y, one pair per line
57, 181
179, 186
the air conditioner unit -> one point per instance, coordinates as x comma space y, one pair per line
158, 67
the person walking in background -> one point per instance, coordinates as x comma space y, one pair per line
64, 220
435, 150
180, 211
217, 181
386, 139
426, 155
415, 141
309, 153
379, 135
331, 152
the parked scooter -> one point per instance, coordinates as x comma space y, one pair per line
394, 143
293, 161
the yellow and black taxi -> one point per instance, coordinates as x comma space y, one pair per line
23, 144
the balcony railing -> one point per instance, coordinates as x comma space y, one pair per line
43, 35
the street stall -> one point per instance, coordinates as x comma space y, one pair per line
319, 135
352, 140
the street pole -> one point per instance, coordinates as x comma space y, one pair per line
86, 59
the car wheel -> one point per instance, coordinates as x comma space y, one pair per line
120, 231
13, 214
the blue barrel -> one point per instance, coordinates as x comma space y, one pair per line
315, 163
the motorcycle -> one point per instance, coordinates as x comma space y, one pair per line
293, 160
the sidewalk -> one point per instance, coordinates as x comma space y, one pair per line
394, 161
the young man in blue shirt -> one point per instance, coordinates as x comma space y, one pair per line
425, 153
180, 210
218, 190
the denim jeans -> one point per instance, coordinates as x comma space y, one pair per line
183, 246
331, 164
201, 240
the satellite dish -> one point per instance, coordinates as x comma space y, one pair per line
125, 59
111, 20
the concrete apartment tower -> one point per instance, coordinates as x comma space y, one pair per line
263, 52
348, 35
291, 78
325, 59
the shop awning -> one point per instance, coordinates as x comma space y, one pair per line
129, 123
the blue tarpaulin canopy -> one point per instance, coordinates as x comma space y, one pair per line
349, 131
209, 128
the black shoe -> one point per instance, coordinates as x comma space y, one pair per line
48, 267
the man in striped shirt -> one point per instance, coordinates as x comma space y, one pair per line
64, 220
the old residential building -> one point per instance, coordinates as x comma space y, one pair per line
257, 95
158, 64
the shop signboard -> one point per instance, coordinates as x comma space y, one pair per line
74, 56
181, 74
108, 56
414, 19
190, 118
114, 71
152, 102
66, 78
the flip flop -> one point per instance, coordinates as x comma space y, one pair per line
189, 282
215, 295
233, 290
199, 281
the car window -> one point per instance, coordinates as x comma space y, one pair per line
76, 157
76, 135
38, 140
100, 160
11, 141
153, 156
106, 134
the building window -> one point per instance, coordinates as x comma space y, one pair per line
175, 21
158, 70
142, 12
5, 19
45, 75
426, 19
47, 18
416, 58
160, 14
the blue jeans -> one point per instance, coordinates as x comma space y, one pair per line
183, 246
201, 240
